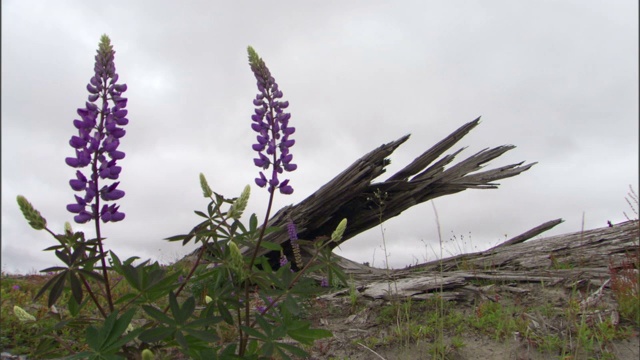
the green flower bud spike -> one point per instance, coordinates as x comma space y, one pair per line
67, 228
337, 234
237, 263
32, 215
147, 354
22, 314
206, 190
240, 204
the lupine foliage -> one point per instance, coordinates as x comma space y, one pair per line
240, 297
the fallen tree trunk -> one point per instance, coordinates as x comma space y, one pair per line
354, 195
585, 258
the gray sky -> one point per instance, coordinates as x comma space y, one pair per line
558, 79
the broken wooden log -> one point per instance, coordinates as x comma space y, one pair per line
584, 258
352, 193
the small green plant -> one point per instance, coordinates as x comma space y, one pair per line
353, 294
625, 284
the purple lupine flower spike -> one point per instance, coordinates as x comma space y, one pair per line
272, 125
99, 133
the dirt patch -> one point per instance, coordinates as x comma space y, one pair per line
502, 322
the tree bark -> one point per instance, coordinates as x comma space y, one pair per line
576, 259
352, 193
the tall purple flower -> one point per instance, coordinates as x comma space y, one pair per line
99, 133
272, 125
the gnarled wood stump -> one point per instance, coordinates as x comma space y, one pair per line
351, 194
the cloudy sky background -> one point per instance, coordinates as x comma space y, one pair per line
558, 79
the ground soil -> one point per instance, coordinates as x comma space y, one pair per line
353, 325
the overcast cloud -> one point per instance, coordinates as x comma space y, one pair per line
558, 79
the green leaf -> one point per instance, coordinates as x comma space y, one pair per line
181, 340
73, 306
76, 287
157, 314
186, 310
293, 350
93, 338
120, 325
157, 334
207, 336
92, 274
255, 333
200, 213
63, 256
57, 288
270, 246
125, 298
176, 237
303, 334
224, 312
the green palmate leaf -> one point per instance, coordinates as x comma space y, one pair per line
206, 336
93, 338
177, 238
301, 332
270, 246
292, 349
106, 341
76, 287
57, 287
157, 334
125, 298
254, 333
52, 269
64, 256
119, 327
73, 307
200, 213
92, 274
224, 312
157, 314
291, 305
54, 247
182, 341
187, 309
79, 252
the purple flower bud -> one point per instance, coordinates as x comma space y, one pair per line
77, 142
283, 260
285, 188
109, 193
324, 282
92, 89
262, 180
83, 217
110, 213
80, 183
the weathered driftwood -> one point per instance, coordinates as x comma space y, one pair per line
351, 194
574, 259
